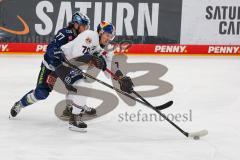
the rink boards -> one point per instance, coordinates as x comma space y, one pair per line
135, 49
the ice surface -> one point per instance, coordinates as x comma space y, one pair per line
208, 86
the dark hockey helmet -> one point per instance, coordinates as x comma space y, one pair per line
80, 19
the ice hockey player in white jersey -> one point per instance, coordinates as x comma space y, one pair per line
88, 48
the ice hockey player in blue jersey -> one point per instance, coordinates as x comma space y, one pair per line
52, 59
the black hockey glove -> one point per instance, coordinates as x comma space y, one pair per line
126, 84
99, 62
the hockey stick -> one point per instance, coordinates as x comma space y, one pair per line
195, 135
114, 88
160, 107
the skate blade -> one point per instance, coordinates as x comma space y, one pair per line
89, 115
76, 129
64, 117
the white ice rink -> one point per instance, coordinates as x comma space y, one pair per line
209, 86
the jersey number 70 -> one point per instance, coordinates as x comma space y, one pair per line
85, 49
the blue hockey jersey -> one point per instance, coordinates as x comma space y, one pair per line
63, 36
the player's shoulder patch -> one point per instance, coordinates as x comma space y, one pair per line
88, 40
70, 38
90, 37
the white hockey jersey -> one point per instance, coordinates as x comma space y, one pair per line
87, 41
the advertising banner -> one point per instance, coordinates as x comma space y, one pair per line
136, 49
37, 21
210, 22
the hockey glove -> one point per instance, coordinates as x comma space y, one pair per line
99, 62
126, 84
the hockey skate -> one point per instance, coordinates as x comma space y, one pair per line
15, 110
76, 123
89, 110
67, 112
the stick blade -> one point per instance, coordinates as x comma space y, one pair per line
164, 106
198, 134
